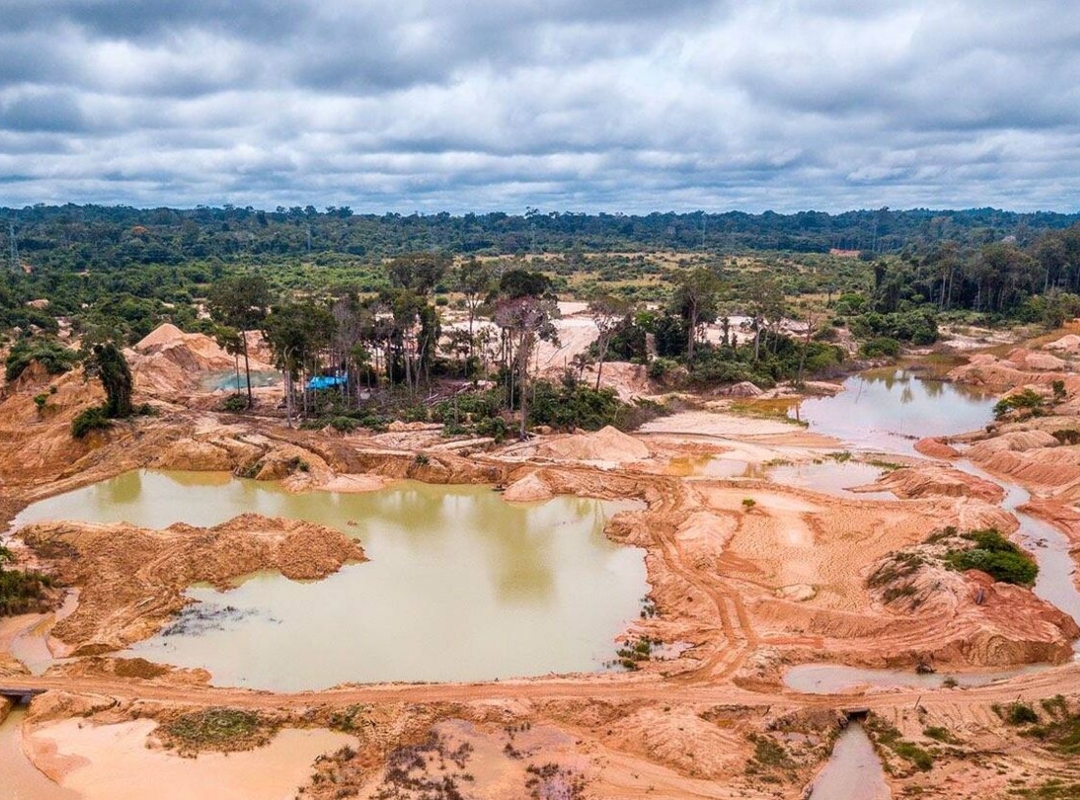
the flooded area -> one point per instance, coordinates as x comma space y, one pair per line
838, 679
831, 477
890, 409
854, 771
460, 584
19, 779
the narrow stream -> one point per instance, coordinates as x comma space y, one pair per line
888, 410
854, 771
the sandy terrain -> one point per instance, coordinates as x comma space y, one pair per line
752, 576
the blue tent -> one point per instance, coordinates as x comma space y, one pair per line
327, 381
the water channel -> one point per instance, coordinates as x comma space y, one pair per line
888, 411
460, 584
854, 772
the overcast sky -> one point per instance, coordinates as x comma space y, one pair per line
563, 105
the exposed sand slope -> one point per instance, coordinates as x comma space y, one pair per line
132, 579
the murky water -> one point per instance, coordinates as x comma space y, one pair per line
837, 679
891, 409
460, 586
853, 772
830, 477
228, 381
19, 779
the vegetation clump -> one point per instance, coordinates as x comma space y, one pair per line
995, 555
220, 729
21, 591
888, 736
46, 350
1026, 400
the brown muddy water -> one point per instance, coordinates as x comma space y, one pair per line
20, 779
461, 585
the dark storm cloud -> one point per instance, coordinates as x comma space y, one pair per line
609, 104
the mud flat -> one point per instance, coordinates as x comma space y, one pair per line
114, 762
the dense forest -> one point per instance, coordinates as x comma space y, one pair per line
95, 237
367, 295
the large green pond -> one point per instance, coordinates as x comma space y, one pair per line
460, 586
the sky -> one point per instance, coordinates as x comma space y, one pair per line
566, 105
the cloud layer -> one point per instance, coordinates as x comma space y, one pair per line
618, 105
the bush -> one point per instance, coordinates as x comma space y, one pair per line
235, 403
996, 556
1028, 399
344, 424
572, 406
48, 352
881, 347
89, 419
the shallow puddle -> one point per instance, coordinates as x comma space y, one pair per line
837, 679
830, 477
854, 771
460, 586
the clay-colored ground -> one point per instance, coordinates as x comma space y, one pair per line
752, 586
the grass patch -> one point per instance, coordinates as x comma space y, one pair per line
939, 734
886, 735
220, 729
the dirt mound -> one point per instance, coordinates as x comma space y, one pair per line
1015, 441
606, 444
1034, 360
529, 489
934, 480
1070, 343
132, 579
168, 360
744, 389
935, 448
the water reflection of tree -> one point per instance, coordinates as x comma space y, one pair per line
907, 395
934, 389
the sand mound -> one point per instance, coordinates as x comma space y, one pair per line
168, 360
1069, 343
527, 490
606, 444
934, 481
1015, 441
161, 335
935, 448
1040, 362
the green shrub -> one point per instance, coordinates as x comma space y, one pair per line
344, 424
995, 555
235, 403
48, 352
89, 419
1021, 714
1026, 399
881, 347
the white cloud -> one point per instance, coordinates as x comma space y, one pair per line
606, 105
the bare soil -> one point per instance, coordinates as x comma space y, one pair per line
753, 587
